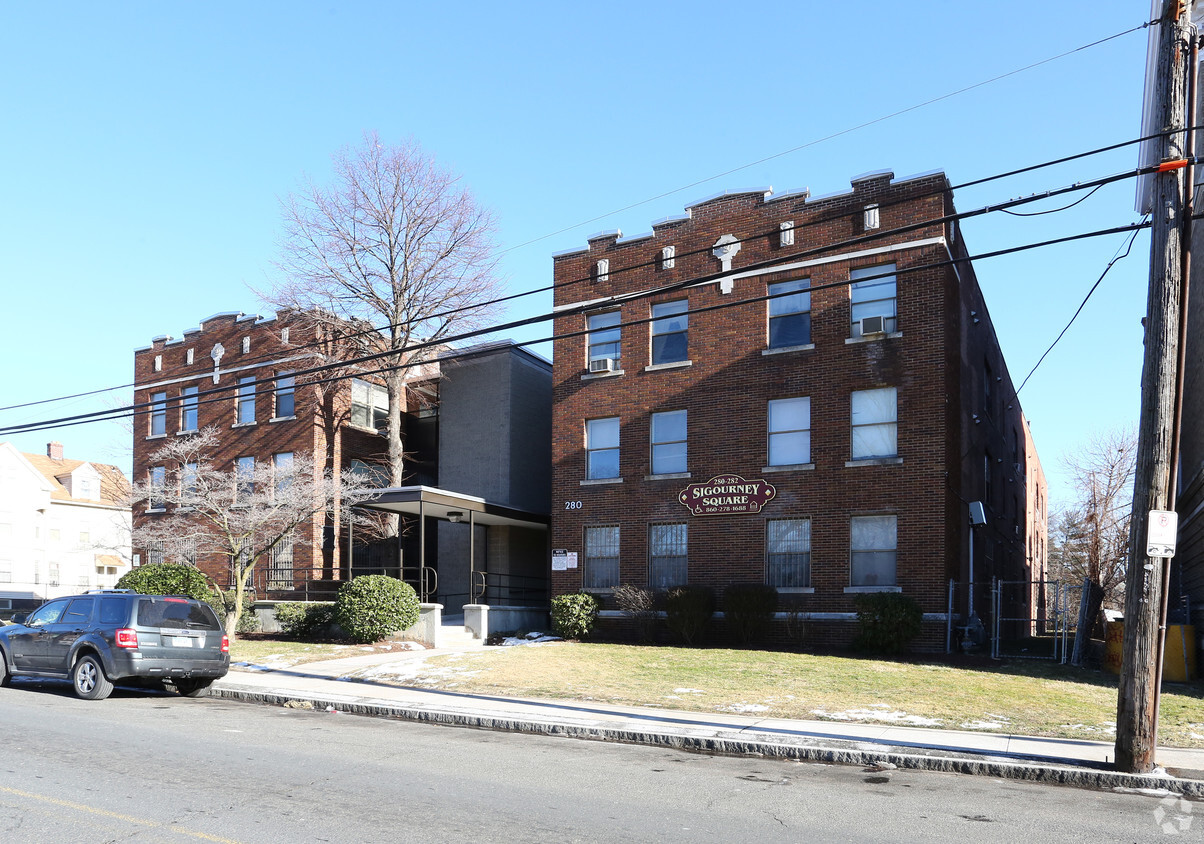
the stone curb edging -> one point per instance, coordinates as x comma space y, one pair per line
763, 746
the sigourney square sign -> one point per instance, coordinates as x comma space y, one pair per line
724, 494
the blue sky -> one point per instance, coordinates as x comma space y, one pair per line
146, 147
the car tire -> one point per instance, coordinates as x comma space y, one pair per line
89, 680
193, 688
5, 677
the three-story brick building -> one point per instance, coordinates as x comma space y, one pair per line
797, 391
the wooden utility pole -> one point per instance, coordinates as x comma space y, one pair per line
1136, 709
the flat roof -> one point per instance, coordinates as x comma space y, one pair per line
438, 503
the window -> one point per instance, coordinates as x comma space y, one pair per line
285, 404
282, 470
188, 409
788, 549
988, 384
87, 489
188, 482
6, 572
85, 538
790, 315
158, 414
602, 448
873, 297
601, 557
667, 555
158, 477
369, 405
669, 325
875, 415
987, 486
246, 400
244, 476
669, 443
372, 473
872, 544
789, 432
280, 564
605, 338
55, 575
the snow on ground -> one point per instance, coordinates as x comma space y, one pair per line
530, 639
414, 672
743, 707
878, 712
1085, 728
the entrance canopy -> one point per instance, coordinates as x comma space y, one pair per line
453, 506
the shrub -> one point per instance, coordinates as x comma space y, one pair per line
749, 609
574, 616
372, 606
687, 610
303, 620
640, 606
168, 579
887, 622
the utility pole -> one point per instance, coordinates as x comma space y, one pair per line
1137, 701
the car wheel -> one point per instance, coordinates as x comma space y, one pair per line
5, 677
88, 678
193, 688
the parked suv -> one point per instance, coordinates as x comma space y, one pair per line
112, 636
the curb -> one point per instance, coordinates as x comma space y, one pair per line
747, 744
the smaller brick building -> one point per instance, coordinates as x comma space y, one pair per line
472, 426
805, 392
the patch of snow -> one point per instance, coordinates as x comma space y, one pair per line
982, 725
687, 691
744, 707
891, 717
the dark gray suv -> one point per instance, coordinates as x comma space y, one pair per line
118, 636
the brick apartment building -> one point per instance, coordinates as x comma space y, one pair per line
341, 424
835, 439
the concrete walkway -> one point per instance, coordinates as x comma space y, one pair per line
354, 685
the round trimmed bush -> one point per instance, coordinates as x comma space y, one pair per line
372, 606
167, 579
574, 616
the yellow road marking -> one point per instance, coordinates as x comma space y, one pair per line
91, 810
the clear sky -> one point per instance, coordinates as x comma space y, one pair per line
146, 147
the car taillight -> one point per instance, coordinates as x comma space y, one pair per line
127, 638
225, 644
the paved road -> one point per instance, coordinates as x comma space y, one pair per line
148, 767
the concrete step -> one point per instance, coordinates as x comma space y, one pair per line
456, 635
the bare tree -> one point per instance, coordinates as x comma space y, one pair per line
395, 240
1090, 536
239, 516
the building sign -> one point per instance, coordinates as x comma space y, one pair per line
563, 559
725, 494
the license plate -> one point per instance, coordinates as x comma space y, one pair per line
182, 641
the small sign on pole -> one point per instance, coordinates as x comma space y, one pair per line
1161, 533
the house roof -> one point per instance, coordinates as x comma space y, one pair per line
113, 485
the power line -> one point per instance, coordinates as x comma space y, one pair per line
373, 331
219, 393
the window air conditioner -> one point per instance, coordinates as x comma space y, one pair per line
873, 325
602, 365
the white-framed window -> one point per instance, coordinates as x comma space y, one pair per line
875, 417
282, 469
872, 294
602, 448
790, 313
188, 483
669, 442
188, 408
788, 553
669, 332
158, 477
789, 431
245, 402
87, 489
605, 338
55, 575
244, 476
667, 555
280, 564
158, 414
285, 396
873, 546
369, 405
601, 557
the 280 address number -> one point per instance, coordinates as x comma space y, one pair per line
572, 505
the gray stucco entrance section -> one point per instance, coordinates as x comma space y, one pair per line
485, 553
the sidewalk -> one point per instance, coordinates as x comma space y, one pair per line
348, 686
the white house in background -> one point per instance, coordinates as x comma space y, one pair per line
63, 526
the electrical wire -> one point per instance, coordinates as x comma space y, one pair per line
220, 394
